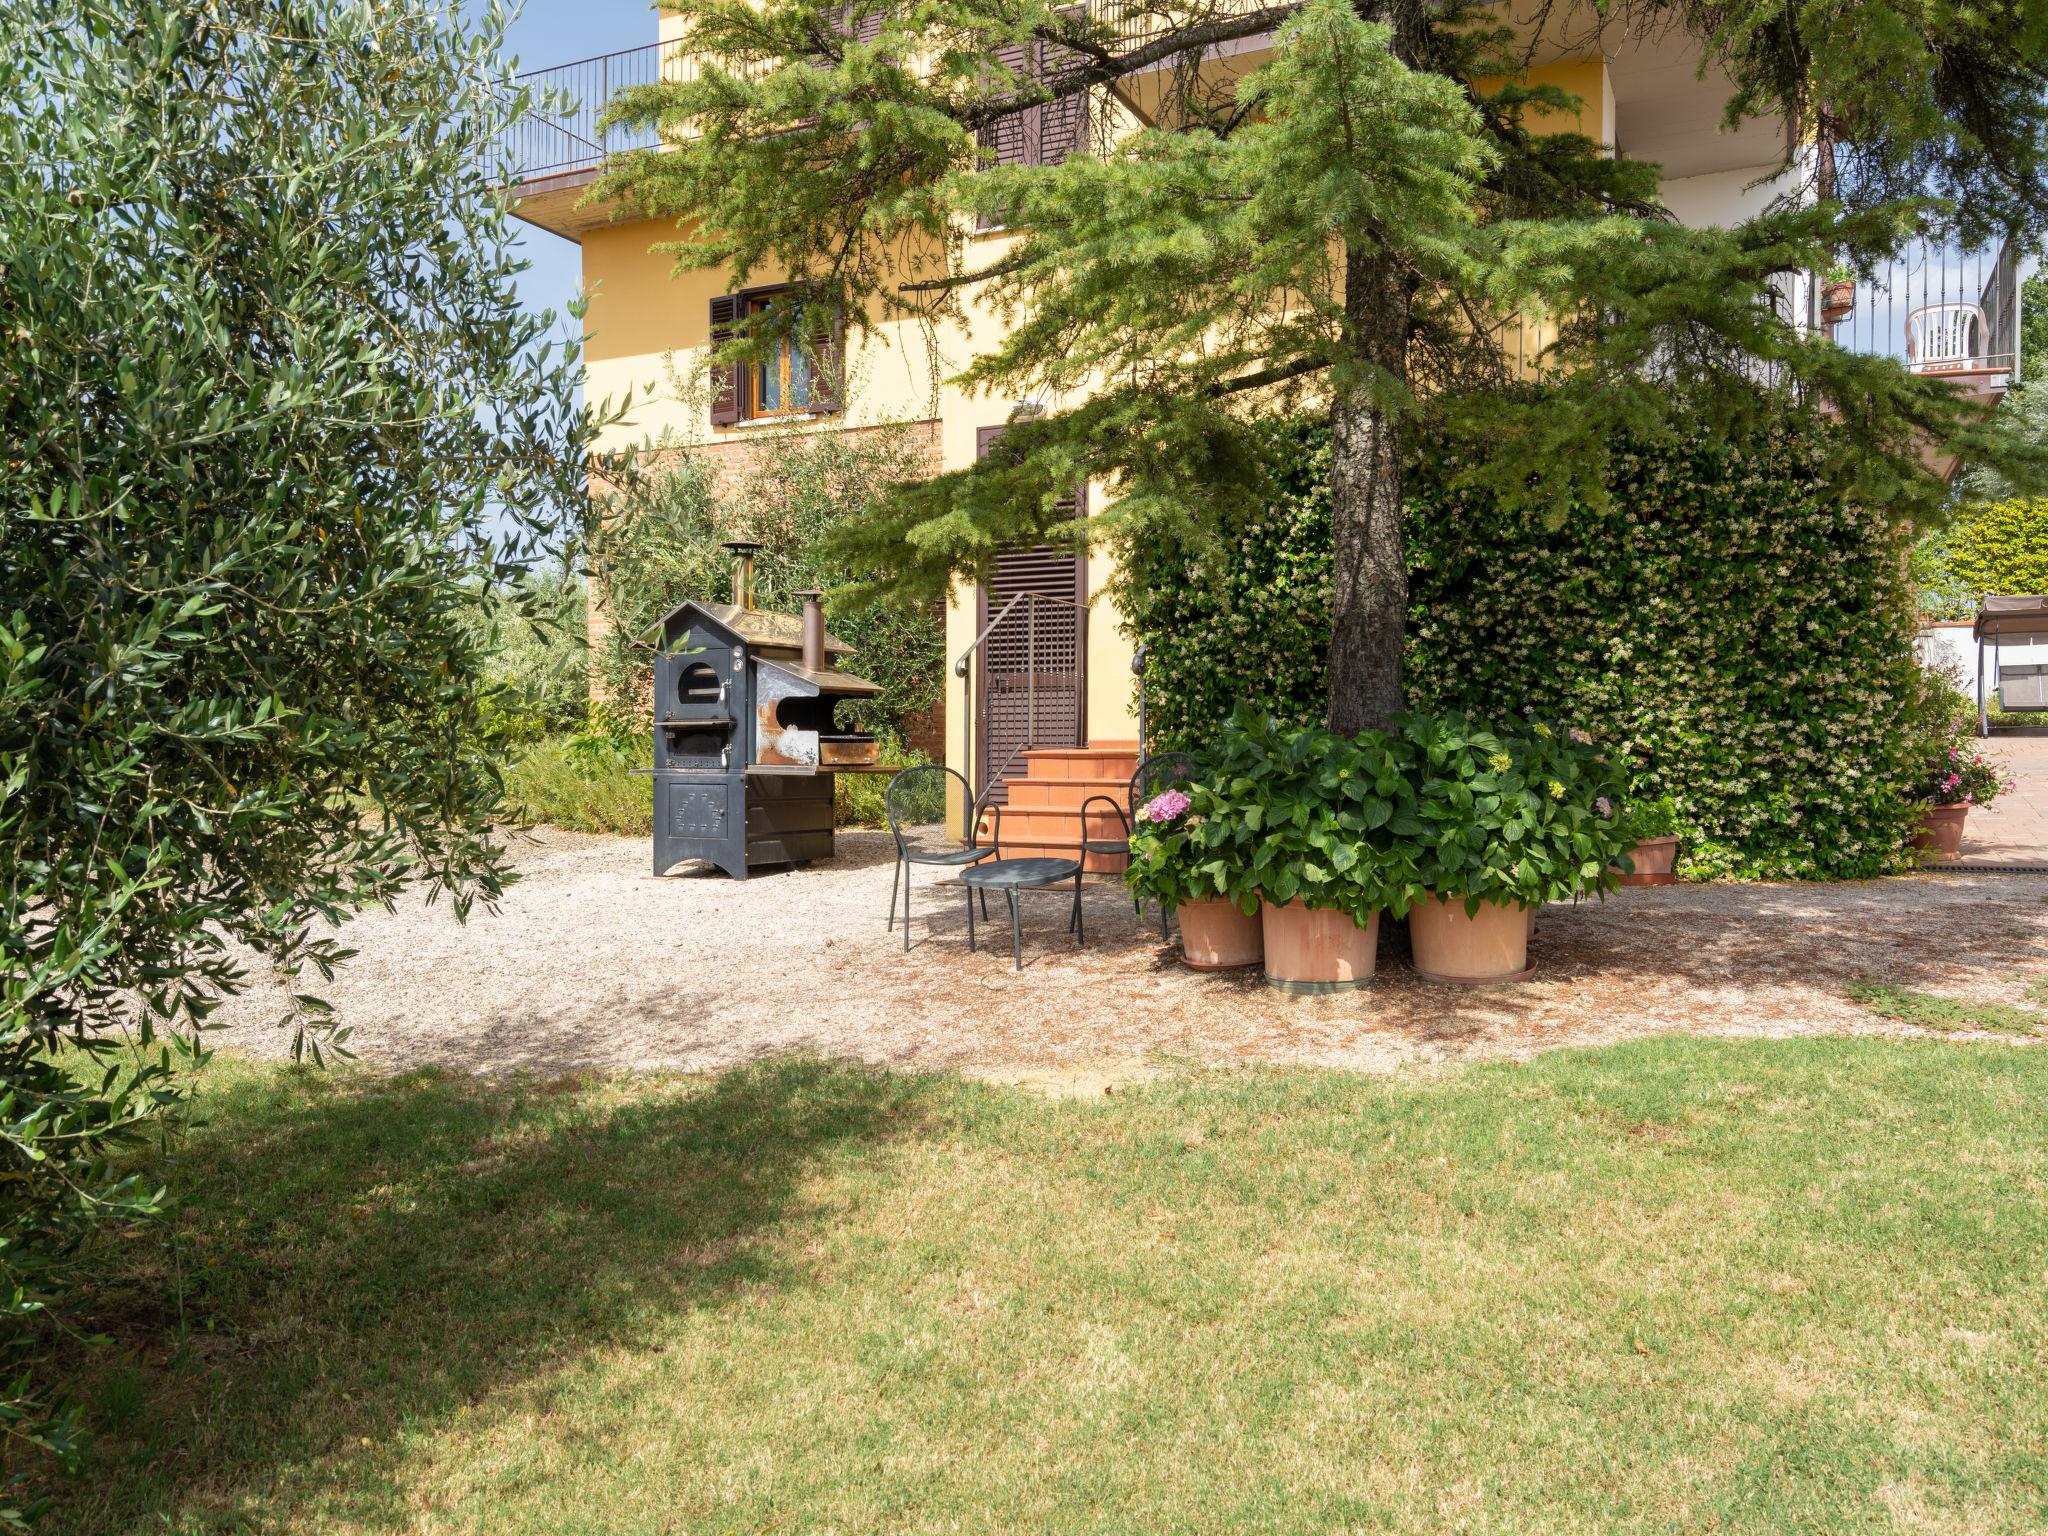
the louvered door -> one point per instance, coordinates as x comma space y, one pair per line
1033, 688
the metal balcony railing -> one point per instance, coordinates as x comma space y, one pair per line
1938, 310
560, 135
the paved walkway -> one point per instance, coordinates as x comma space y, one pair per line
2013, 830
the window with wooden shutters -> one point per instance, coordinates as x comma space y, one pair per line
865, 29
1013, 138
803, 375
1062, 124
1045, 134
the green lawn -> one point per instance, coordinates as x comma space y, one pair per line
1677, 1286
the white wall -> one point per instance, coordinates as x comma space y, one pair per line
1950, 648
1719, 198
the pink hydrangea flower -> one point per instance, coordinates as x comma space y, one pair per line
1168, 805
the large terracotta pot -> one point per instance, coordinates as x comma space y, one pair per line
1653, 858
1320, 951
1941, 831
1449, 946
1215, 936
1837, 301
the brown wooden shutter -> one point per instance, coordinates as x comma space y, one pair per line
1063, 124
1034, 674
865, 30
725, 377
828, 368
1014, 137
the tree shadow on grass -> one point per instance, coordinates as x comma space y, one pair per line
364, 1257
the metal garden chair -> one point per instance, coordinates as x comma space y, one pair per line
915, 807
1159, 772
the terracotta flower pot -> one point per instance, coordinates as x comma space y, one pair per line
1653, 858
1493, 945
1215, 936
1320, 951
1941, 831
1837, 301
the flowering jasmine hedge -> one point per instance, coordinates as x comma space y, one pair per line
1728, 623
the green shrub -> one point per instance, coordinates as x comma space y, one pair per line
857, 797
586, 782
2000, 548
1731, 632
1642, 818
548, 783
1942, 593
661, 545
534, 633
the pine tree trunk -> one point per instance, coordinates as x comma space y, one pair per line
1369, 568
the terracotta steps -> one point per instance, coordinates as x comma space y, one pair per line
1043, 817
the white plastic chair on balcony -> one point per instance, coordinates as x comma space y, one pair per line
1945, 338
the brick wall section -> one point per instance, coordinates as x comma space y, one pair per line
732, 461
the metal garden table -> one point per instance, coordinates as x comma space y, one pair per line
1013, 875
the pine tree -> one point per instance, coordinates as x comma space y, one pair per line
1354, 228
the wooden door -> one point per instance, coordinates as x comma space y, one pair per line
1032, 687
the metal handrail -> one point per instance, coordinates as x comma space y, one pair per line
1138, 671
960, 661
562, 135
965, 673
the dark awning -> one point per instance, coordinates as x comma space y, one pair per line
2019, 620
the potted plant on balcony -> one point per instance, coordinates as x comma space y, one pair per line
1186, 856
1957, 776
1511, 822
1649, 829
1837, 294
1329, 826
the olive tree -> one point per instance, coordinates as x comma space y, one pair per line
271, 416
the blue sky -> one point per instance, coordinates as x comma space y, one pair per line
549, 32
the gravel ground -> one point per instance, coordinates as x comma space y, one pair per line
592, 963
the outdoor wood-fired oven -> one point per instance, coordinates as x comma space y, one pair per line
745, 738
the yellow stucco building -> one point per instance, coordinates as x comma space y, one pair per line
651, 329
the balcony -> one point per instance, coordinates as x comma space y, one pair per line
1942, 312
549, 157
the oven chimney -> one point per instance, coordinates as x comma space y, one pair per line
814, 630
742, 571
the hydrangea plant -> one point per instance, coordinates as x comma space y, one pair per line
1642, 817
1511, 818
1320, 817
1183, 850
